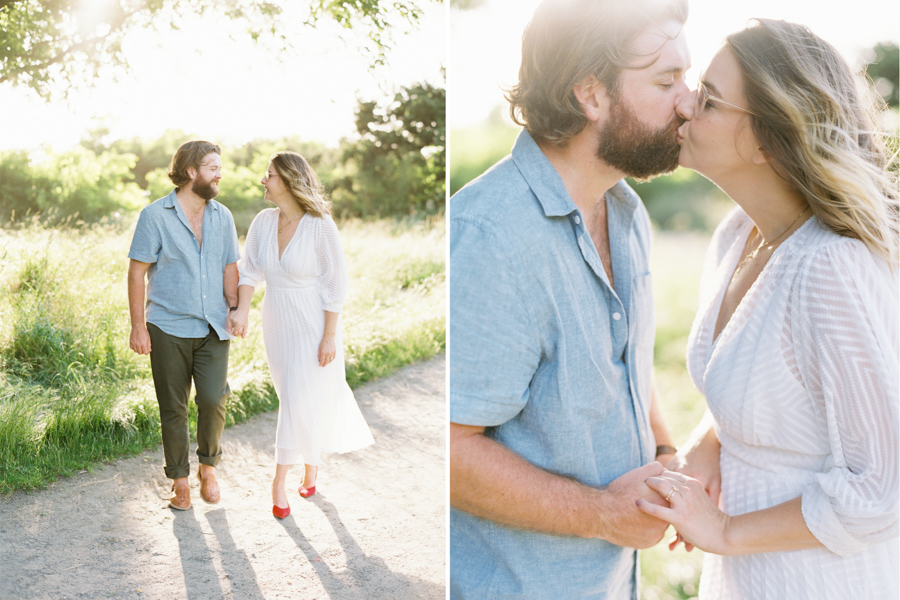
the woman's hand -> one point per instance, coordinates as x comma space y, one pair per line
695, 516
327, 350
237, 321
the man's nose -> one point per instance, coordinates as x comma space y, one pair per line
684, 105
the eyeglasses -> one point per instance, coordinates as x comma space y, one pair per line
703, 98
268, 175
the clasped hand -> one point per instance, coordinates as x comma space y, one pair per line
237, 322
694, 514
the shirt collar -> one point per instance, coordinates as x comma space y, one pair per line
548, 186
171, 200
542, 177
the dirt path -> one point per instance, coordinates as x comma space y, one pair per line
374, 529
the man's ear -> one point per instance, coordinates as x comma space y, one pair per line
192, 172
591, 95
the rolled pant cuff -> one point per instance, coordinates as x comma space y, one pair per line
178, 472
211, 461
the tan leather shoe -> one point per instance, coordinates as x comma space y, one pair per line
209, 488
181, 497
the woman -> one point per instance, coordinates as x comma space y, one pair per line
296, 250
795, 344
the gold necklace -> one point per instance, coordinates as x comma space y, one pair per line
765, 244
288, 223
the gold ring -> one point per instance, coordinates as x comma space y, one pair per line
671, 493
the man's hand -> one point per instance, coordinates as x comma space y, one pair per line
237, 322
624, 524
139, 340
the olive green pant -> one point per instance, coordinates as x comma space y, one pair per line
175, 362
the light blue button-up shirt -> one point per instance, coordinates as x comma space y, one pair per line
554, 362
185, 287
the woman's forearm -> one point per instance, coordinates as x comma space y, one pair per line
779, 528
331, 321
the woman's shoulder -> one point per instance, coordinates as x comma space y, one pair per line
826, 258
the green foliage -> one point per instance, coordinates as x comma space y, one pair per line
71, 391
683, 200
884, 70
76, 182
400, 157
396, 168
474, 150
47, 43
372, 15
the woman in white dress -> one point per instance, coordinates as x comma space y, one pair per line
295, 248
795, 344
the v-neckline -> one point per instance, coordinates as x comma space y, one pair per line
716, 307
278, 250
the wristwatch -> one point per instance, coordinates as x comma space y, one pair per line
232, 308
666, 450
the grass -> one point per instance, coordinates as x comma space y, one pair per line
71, 391
677, 262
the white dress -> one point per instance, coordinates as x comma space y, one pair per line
803, 385
317, 411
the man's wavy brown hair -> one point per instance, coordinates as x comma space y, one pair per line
189, 155
570, 40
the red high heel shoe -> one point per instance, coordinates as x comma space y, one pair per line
306, 492
281, 512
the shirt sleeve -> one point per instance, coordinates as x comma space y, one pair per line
146, 243
233, 248
847, 357
334, 281
251, 274
494, 348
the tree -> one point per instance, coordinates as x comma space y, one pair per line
400, 157
70, 41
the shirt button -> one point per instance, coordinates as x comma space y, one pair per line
577, 220
616, 316
204, 295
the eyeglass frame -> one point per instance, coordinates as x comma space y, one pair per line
268, 175
703, 92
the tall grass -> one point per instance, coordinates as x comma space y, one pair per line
71, 391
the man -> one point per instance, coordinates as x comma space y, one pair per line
186, 246
554, 421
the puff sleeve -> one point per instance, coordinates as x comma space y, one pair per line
845, 332
251, 273
333, 279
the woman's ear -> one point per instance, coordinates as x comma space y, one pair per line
592, 97
760, 157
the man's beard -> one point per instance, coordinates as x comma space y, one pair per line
205, 189
632, 147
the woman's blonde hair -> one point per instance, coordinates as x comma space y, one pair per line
811, 122
302, 181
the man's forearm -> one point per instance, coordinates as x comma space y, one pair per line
657, 422
136, 291
230, 284
492, 482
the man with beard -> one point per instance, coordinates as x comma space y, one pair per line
554, 421
186, 245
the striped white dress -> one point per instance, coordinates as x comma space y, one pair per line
317, 411
803, 385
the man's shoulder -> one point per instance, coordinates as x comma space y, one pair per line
497, 195
220, 209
